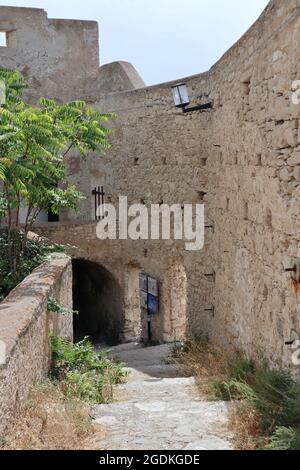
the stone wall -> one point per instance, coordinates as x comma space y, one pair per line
253, 190
25, 326
241, 160
57, 56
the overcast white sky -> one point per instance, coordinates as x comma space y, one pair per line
163, 39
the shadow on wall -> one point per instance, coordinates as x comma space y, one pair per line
97, 298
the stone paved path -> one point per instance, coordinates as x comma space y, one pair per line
156, 410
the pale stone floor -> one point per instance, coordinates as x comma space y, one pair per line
157, 410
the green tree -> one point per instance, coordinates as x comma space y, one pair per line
34, 143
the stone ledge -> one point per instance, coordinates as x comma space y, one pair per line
22, 306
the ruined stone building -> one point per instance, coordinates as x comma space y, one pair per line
241, 159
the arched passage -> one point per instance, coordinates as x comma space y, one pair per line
97, 298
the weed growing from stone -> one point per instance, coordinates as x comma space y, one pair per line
55, 307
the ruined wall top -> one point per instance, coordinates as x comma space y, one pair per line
59, 57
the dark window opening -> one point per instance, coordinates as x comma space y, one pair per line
53, 217
8, 38
247, 88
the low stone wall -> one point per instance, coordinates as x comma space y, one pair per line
25, 325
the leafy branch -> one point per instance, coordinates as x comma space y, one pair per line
54, 306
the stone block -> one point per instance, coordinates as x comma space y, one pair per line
290, 136
295, 158
297, 173
285, 175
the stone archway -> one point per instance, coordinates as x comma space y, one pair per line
97, 298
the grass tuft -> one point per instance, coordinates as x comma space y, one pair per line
84, 373
285, 439
266, 411
50, 421
57, 415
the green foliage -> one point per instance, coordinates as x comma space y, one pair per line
27, 255
15, 85
278, 398
87, 374
233, 390
241, 371
219, 391
55, 307
34, 142
285, 439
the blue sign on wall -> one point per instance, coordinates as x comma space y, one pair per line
152, 304
149, 294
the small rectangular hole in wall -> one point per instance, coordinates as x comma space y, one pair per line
201, 195
246, 88
8, 38
3, 39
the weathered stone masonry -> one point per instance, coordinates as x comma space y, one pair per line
241, 159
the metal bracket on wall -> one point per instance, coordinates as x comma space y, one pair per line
210, 226
295, 337
211, 276
199, 107
295, 271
